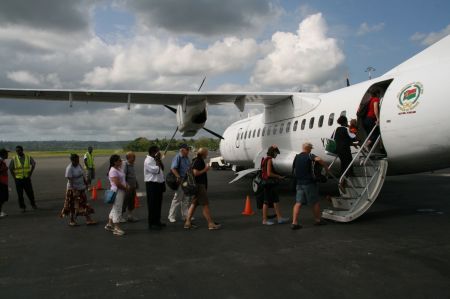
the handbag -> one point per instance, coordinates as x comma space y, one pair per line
110, 196
330, 146
171, 181
188, 184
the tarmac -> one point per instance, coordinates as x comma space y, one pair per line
400, 248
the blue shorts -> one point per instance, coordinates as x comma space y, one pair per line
307, 194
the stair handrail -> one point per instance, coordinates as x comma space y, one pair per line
342, 178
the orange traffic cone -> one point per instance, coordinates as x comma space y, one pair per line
248, 207
136, 201
94, 193
99, 184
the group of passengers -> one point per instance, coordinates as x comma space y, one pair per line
123, 182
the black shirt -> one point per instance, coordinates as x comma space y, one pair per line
343, 140
303, 168
199, 164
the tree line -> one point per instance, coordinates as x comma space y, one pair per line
142, 144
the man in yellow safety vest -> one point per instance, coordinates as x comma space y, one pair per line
21, 168
89, 166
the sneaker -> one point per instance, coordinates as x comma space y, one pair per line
122, 219
268, 222
3, 215
283, 220
118, 232
109, 228
295, 226
172, 220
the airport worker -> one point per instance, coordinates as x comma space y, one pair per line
179, 167
130, 177
199, 170
372, 117
4, 190
119, 185
75, 203
21, 168
155, 186
344, 140
89, 165
271, 180
307, 187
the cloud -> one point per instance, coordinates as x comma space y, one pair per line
308, 59
54, 15
149, 62
27, 78
365, 28
37, 54
427, 39
206, 17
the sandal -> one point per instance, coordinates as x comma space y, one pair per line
190, 226
91, 222
73, 224
214, 227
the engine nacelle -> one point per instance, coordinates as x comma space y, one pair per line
191, 117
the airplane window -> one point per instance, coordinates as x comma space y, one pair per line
295, 126
275, 129
281, 128
344, 113
268, 130
245, 136
331, 119
303, 124
321, 121
311, 123
237, 137
259, 131
254, 133
288, 127
264, 131
242, 135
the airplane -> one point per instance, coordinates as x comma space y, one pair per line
415, 132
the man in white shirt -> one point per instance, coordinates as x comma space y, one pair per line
155, 186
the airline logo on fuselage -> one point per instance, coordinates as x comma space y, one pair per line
408, 98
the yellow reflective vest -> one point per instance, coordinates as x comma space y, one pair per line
89, 160
22, 171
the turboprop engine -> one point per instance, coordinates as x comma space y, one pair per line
191, 117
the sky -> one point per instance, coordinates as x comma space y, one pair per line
170, 45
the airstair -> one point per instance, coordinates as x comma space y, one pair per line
359, 191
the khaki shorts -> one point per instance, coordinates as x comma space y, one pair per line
202, 197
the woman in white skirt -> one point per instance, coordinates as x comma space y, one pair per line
118, 184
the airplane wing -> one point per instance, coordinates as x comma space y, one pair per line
144, 97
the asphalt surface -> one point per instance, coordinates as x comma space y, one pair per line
400, 248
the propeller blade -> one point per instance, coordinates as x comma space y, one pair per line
174, 110
213, 133
201, 85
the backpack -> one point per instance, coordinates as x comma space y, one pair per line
317, 171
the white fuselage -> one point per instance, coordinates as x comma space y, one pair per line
415, 140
